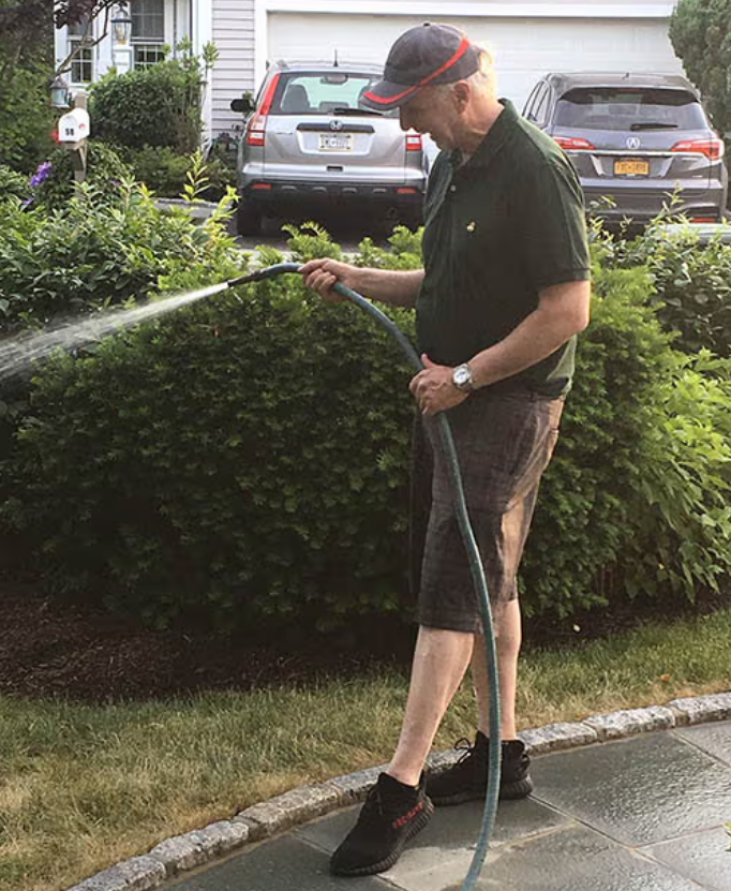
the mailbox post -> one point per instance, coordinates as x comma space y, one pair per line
73, 132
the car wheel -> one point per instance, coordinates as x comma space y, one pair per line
248, 218
415, 219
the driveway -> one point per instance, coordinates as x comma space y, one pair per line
346, 231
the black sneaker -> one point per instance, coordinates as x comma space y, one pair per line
467, 779
392, 814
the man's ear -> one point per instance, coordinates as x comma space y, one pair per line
461, 91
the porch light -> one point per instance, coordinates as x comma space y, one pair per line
60, 97
121, 25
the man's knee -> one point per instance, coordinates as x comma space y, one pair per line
507, 628
441, 639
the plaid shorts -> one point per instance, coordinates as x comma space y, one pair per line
504, 442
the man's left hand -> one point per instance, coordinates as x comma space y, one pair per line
433, 388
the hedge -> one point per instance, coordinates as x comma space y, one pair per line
247, 458
155, 106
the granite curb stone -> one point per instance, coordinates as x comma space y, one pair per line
262, 820
195, 848
354, 786
715, 707
554, 737
617, 725
137, 874
305, 803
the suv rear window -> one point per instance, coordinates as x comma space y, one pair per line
322, 93
608, 108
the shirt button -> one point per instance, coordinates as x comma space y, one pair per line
453, 188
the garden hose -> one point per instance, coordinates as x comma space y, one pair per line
476, 567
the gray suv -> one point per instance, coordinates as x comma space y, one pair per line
309, 144
636, 139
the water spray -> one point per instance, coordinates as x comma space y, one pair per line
18, 355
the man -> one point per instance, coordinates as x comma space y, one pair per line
504, 290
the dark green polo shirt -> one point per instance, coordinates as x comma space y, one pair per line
498, 229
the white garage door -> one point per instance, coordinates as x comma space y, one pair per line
524, 48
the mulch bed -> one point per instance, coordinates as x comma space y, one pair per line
48, 649
77, 652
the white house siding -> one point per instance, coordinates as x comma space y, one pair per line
233, 34
524, 46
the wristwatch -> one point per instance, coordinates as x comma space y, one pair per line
462, 378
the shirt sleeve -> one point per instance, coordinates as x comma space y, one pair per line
552, 224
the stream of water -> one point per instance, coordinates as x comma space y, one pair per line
18, 355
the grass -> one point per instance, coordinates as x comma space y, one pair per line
82, 787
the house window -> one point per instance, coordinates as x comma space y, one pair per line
82, 66
148, 32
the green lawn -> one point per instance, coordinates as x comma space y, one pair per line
82, 787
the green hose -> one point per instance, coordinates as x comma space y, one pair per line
476, 567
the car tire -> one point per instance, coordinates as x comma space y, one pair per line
415, 219
248, 218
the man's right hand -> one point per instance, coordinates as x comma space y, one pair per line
321, 275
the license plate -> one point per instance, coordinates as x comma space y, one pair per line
632, 168
336, 142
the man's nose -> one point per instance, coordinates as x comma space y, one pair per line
403, 119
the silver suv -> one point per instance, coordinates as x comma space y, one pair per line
637, 139
309, 144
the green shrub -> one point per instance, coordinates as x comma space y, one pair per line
94, 252
156, 106
13, 185
160, 168
219, 463
248, 457
105, 172
699, 33
26, 119
633, 502
692, 292
684, 504
165, 172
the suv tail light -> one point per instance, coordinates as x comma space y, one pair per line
256, 131
413, 142
713, 149
574, 144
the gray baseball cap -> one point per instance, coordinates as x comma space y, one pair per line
427, 55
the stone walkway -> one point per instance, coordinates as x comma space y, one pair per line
616, 808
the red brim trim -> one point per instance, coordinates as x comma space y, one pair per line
461, 50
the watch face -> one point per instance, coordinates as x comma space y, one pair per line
462, 376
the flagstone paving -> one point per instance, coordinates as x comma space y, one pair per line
646, 813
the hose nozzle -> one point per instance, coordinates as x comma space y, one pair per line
260, 275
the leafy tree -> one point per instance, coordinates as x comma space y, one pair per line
32, 17
27, 68
700, 31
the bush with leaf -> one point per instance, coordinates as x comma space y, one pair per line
92, 253
234, 460
248, 458
26, 118
165, 172
699, 33
692, 283
97, 251
104, 174
13, 185
155, 106
634, 500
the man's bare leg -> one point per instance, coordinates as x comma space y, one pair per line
440, 660
508, 637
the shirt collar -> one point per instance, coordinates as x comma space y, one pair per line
493, 141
